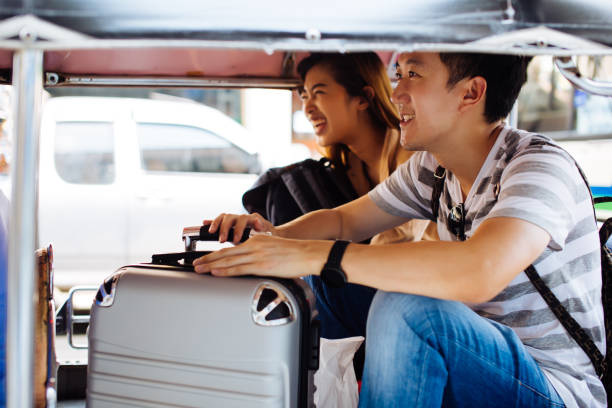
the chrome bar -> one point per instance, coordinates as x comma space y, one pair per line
567, 67
27, 82
513, 117
521, 47
53, 79
71, 318
572, 136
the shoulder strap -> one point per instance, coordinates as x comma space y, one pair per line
570, 324
602, 199
438, 186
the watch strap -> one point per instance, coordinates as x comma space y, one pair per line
332, 273
336, 253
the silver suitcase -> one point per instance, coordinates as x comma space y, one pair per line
162, 336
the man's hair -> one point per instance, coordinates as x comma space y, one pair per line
505, 75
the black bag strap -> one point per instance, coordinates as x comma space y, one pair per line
602, 199
438, 186
570, 324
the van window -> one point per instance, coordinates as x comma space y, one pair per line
84, 152
178, 148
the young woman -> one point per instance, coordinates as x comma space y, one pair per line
347, 99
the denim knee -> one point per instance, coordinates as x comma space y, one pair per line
397, 315
429, 352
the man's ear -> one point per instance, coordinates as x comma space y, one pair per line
474, 92
367, 98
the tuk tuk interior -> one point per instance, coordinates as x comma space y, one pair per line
235, 44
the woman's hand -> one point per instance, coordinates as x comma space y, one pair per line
267, 256
224, 222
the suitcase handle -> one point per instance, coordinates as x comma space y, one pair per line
174, 258
191, 235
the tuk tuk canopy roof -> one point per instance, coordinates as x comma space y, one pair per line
407, 21
258, 40
241, 39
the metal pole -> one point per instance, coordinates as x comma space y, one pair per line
22, 294
513, 117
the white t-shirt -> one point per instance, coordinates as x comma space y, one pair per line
526, 176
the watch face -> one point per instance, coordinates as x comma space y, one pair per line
334, 277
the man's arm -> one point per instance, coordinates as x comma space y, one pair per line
475, 270
472, 271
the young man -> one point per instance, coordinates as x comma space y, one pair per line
456, 322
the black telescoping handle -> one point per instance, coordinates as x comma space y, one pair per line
191, 235
205, 235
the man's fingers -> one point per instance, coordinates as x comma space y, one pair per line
253, 252
236, 264
250, 268
222, 253
232, 271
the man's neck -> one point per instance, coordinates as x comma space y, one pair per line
464, 153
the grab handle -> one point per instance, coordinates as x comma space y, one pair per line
191, 235
567, 67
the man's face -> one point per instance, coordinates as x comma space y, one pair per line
427, 107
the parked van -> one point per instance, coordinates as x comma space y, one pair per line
120, 177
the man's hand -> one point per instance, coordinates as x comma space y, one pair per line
267, 256
224, 222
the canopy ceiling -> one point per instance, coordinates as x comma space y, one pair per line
247, 39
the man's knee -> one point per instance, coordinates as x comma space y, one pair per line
400, 315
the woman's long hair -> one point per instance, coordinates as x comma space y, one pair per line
354, 71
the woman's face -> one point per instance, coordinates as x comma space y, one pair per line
329, 108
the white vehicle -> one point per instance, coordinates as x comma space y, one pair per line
120, 177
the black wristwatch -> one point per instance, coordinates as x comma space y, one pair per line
332, 274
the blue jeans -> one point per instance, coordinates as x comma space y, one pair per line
425, 352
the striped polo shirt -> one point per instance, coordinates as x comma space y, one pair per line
526, 176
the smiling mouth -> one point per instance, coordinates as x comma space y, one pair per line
407, 117
317, 124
